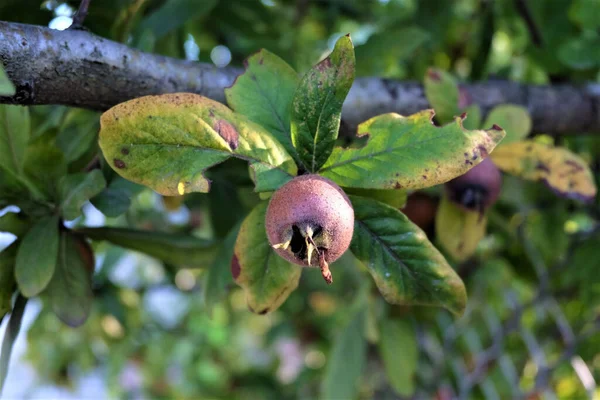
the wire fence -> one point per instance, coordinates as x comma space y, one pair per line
512, 348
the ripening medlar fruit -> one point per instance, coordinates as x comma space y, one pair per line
478, 189
310, 222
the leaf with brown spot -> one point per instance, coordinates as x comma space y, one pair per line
317, 105
166, 142
405, 265
266, 278
458, 231
401, 150
559, 168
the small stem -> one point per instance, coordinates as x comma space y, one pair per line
325, 269
534, 32
82, 12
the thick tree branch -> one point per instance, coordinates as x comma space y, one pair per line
77, 68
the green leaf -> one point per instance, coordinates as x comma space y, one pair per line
406, 267
317, 105
14, 135
473, 118
581, 52
7, 278
36, 258
398, 349
174, 248
392, 197
11, 333
173, 14
77, 133
76, 189
45, 165
409, 153
218, 277
459, 231
264, 94
6, 86
442, 93
347, 361
166, 142
586, 13
266, 278
16, 223
116, 198
515, 121
70, 290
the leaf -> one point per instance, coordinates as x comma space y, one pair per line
580, 52
561, 170
218, 276
409, 153
77, 189
406, 267
6, 86
14, 135
347, 361
11, 333
77, 133
317, 105
266, 278
173, 14
166, 142
442, 93
473, 118
515, 121
264, 94
586, 13
398, 349
16, 223
116, 198
36, 258
7, 278
174, 248
70, 290
458, 231
45, 165
392, 197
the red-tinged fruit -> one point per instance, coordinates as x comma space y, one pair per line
310, 222
478, 189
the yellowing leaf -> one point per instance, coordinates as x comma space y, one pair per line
409, 153
458, 231
562, 170
166, 142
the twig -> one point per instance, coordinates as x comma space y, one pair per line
82, 12
534, 31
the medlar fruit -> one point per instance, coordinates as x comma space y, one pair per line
478, 189
310, 222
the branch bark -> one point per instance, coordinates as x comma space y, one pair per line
77, 68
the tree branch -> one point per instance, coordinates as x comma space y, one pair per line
77, 68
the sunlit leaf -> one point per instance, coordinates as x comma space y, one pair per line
77, 189
515, 121
409, 153
177, 249
563, 171
167, 142
317, 105
442, 93
457, 230
6, 86
266, 278
70, 290
473, 118
264, 94
36, 258
406, 267
398, 348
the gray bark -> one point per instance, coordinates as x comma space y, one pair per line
77, 68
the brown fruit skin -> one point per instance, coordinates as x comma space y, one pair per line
315, 200
485, 179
